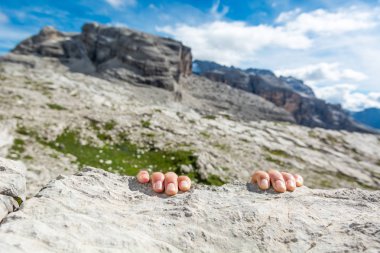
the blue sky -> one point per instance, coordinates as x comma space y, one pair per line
332, 45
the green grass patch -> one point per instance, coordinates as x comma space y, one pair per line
110, 125
56, 107
274, 160
22, 130
148, 135
278, 152
214, 180
127, 158
145, 123
205, 134
211, 117
124, 158
18, 200
17, 149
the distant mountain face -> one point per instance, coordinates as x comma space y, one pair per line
286, 92
298, 86
114, 53
369, 117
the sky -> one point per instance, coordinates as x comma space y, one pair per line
334, 46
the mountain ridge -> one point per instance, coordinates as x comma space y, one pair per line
286, 92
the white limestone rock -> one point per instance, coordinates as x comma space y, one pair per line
96, 211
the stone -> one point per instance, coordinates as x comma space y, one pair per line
96, 211
12, 186
114, 53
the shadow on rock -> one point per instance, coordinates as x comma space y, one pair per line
146, 189
255, 188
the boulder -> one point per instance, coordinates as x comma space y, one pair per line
114, 52
96, 211
12, 186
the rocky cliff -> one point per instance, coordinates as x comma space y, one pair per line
113, 52
96, 211
286, 92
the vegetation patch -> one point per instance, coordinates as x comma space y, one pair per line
145, 123
17, 149
22, 130
110, 125
214, 180
124, 158
226, 116
211, 117
56, 107
274, 160
205, 134
278, 152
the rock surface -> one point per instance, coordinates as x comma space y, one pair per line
288, 93
12, 186
114, 53
96, 211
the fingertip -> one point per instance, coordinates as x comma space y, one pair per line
290, 181
143, 177
279, 186
299, 180
264, 184
290, 185
171, 183
277, 181
258, 176
184, 183
158, 182
171, 189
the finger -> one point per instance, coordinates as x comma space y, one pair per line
184, 183
143, 176
299, 180
277, 181
261, 178
290, 182
171, 183
158, 181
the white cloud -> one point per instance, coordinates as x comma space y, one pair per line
121, 3
349, 97
323, 72
324, 22
231, 43
3, 18
328, 82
